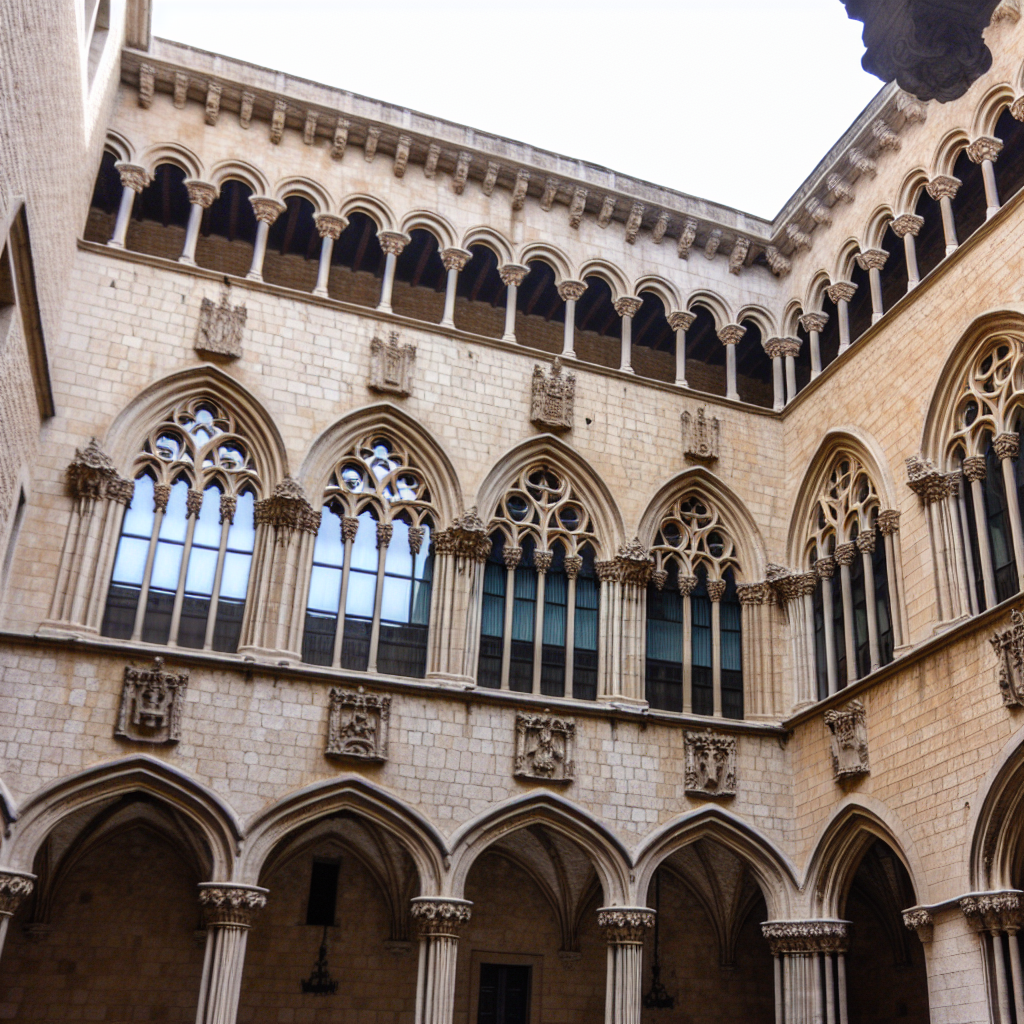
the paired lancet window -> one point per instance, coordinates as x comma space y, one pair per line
368, 607
181, 571
694, 658
539, 617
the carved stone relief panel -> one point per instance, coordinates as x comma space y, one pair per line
357, 725
1009, 647
391, 365
545, 747
700, 435
220, 328
151, 702
848, 737
710, 764
553, 398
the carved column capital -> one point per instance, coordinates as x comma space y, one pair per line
287, 508
871, 259
201, 193
628, 305
811, 322
227, 904
907, 224
846, 553
687, 585
15, 887
512, 556
866, 541
513, 273
267, 210
731, 334
574, 565
634, 564
773, 347
625, 926
542, 560
925, 480
919, 920
752, 593
716, 590
888, 521
974, 467
440, 917
795, 937
572, 290
987, 147
1007, 446
841, 291
825, 567
132, 175
681, 320
393, 242
993, 911
782, 347
455, 259
91, 474
945, 186
330, 225
1017, 109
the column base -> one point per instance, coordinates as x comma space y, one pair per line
271, 656
115, 245
911, 285
733, 396
447, 323
384, 309
627, 369
569, 355
57, 628
875, 317
509, 337
991, 212
682, 383
321, 293
950, 249
843, 348
778, 406
253, 276
187, 260
624, 703
452, 681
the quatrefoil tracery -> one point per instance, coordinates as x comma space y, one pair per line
692, 535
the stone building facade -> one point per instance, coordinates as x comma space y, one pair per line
446, 581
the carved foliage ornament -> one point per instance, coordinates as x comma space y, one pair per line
692, 535
710, 764
700, 435
437, 918
625, 926
233, 906
220, 328
552, 398
91, 476
391, 365
807, 936
993, 911
287, 509
848, 739
357, 724
545, 747
465, 538
1008, 645
151, 704
14, 888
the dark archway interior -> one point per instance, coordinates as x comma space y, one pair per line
106, 197
159, 215
480, 295
420, 279
705, 354
754, 375
803, 361
969, 203
894, 273
357, 263
860, 304
1010, 165
931, 241
293, 247
228, 231
654, 341
598, 326
828, 340
540, 311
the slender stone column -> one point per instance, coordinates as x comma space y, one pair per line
995, 913
872, 260
974, 471
804, 948
1007, 447
229, 911
814, 324
201, 195
454, 260
845, 554
985, 151
840, 293
627, 307
392, 242
624, 582
625, 929
774, 349
329, 227
826, 568
133, 180
716, 591
542, 564
267, 210
907, 226
681, 321
888, 523
15, 888
512, 276
790, 351
943, 189
570, 293
796, 589
440, 921
730, 336
866, 546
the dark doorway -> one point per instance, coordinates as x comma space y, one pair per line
504, 994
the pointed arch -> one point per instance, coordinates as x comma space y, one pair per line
989, 108
339, 438
588, 483
308, 189
996, 848
257, 425
555, 258
770, 867
483, 235
736, 516
173, 153
665, 290
715, 305
208, 813
765, 321
241, 171
875, 228
120, 146
845, 440
845, 838
607, 854
376, 209
427, 220
348, 794
607, 272
948, 149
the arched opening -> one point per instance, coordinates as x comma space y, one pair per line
106, 197
803, 360
227, 234
357, 263
828, 341
1010, 165
931, 241
894, 273
654, 341
706, 959
598, 326
160, 214
420, 279
540, 310
705, 354
885, 969
754, 368
969, 203
293, 247
860, 305
480, 295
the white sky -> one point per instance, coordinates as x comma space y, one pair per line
732, 100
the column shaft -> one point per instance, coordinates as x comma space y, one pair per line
451, 283
851, 653
124, 213
815, 353
681, 359
259, 251
843, 312
875, 281
730, 373
988, 174
627, 345
195, 218
511, 295
779, 396
984, 549
830, 635
323, 272
790, 378
910, 251
388, 283
948, 225
569, 329
872, 609
1013, 513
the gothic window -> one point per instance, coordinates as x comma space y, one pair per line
181, 571
539, 621
694, 639
852, 601
368, 607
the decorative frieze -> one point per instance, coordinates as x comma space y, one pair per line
357, 724
287, 509
848, 739
91, 475
219, 332
801, 937
15, 887
1008, 645
701, 435
436, 917
625, 926
552, 397
993, 911
545, 747
151, 704
230, 905
710, 764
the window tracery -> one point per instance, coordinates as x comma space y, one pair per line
181, 570
368, 606
539, 624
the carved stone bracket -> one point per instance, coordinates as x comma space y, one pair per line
465, 538
151, 704
391, 365
15, 887
925, 480
945, 186
919, 920
91, 474
814, 322
807, 936
552, 397
710, 764
226, 904
907, 224
220, 328
357, 724
1008, 645
625, 926
993, 911
439, 917
288, 509
841, 291
701, 434
545, 747
848, 740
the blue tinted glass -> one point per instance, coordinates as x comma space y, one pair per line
202, 567
364, 547
328, 549
138, 519
423, 559
207, 528
362, 588
235, 580
174, 525
131, 560
398, 560
324, 589
395, 604
166, 566
242, 534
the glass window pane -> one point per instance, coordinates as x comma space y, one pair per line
166, 566
202, 567
362, 588
328, 548
398, 560
174, 523
235, 581
207, 529
364, 547
701, 632
396, 599
324, 589
664, 640
424, 563
421, 602
242, 534
586, 630
131, 560
138, 519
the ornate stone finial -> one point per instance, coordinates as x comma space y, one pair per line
277, 121
219, 332
686, 238
490, 178
871, 259
552, 398
628, 305
393, 242
547, 198
151, 704
984, 148
812, 322
710, 764
245, 106
577, 206
848, 739
309, 128
15, 887
681, 319
925, 480
885, 136
455, 259
701, 434
738, 256
660, 227
519, 189
181, 84
731, 334
370, 144
888, 521
633, 221
357, 724
200, 193
799, 239
227, 904
839, 188
287, 509
819, 212
804, 937
1008, 645
402, 148
907, 224
777, 263
571, 290
213, 91
330, 225
340, 142
267, 210
841, 291
974, 467
147, 85
513, 273
1006, 446
439, 917
919, 920
945, 186
607, 212
545, 747
713, 242
132, 176
625, 926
